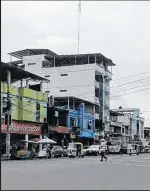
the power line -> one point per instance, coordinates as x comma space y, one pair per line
130, 82
130, 76
132, 87
131, 92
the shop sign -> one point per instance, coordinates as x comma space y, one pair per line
22, 128
72, 136
87, 134
81, 116
59, 129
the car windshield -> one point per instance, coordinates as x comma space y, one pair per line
71, 145
93, 147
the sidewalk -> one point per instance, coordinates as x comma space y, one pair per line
4, 158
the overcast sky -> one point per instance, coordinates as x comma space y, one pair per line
118, 30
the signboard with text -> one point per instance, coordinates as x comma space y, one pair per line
22, 128
81, 116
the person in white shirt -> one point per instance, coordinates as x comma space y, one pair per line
103, 148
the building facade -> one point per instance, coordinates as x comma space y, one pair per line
86, 76
131, 116
120, 126
74, 117
28, 110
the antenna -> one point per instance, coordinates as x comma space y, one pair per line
79, 11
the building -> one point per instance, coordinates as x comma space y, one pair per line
147, 133
72, 119
136, 122
28, 108
84, 76
120, 126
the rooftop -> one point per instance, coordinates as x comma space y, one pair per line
28, 52
71, 99
60, 60
17, 73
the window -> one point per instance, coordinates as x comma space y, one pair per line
63, 90
47, 64
29, 64
47, 76
122, 130
72, 122
64, 74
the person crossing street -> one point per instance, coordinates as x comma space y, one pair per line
103, 148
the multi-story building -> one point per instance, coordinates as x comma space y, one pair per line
136, 122
120, 126
73, 119
147, 133
28, 108
85, 76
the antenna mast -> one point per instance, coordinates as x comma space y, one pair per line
79, 11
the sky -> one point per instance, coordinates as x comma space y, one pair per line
120, 30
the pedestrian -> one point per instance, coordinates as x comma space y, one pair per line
103, 148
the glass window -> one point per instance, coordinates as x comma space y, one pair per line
72, 122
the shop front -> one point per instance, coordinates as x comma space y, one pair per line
60, 134
19, 131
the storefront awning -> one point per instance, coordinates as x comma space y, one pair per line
59, 129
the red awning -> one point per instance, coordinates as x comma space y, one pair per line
59, 129
22, 128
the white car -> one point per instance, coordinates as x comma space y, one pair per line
132, 149
85, 148
93, 150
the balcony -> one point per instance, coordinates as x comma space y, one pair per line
116, 124
96, 99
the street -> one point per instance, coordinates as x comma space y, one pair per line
119, 172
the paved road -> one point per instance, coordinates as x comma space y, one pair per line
119, 172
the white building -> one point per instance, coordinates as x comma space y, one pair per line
85, 76
136, 122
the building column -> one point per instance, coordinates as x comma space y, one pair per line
21, 83
27, 83
68, 103
26, 139
41, 86
40, 145
8, 114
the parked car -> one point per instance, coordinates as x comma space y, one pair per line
93, 150
56, 151
133, 149
115, 147
85, 148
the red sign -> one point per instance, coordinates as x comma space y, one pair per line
22, 128
59, 129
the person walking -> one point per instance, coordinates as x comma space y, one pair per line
103, 148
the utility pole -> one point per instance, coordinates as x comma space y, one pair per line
8, 114
79, 11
